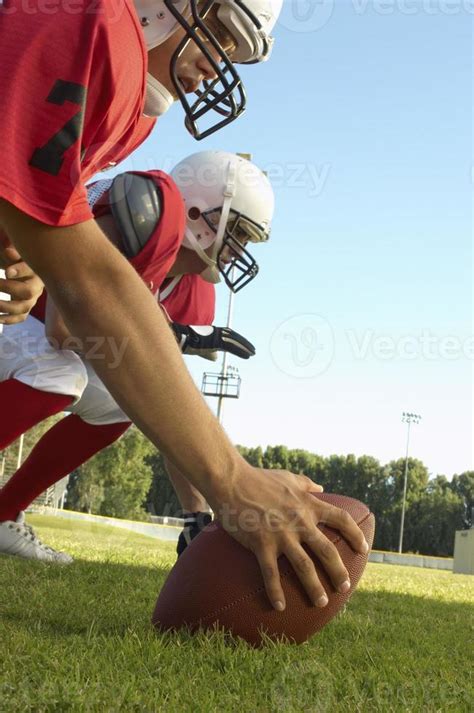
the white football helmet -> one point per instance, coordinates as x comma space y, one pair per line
229, 202
248, 21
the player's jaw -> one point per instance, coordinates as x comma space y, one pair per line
189, 262
192, 67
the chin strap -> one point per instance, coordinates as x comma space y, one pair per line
211, 272
158, 99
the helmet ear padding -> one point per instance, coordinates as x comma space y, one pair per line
196, 224
194, 213
157, 20
136, 206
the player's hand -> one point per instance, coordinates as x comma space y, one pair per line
21, 283
207, 341
274, 513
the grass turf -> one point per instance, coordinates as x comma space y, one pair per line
79, 638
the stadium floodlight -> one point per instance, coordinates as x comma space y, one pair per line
407, 418
227, 383
222, 386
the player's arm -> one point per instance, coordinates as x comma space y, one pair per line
55, 328
190, 498
98, 293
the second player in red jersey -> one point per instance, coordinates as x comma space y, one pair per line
143, 215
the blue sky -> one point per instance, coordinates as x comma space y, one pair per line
363, 305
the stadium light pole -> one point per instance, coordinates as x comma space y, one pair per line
230, 312
407, 418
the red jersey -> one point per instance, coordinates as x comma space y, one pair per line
192, 301
155, 260
72, 91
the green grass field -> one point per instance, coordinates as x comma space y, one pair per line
79, 638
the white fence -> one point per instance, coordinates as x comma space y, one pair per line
411, 560
169, 528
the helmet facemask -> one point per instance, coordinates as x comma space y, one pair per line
230, 255
224, 95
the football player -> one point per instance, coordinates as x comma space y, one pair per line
185, 46
179, 259
74, 92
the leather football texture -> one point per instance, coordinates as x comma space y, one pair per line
216, 583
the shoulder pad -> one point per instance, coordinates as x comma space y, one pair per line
136, 204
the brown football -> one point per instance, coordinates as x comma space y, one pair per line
217, 583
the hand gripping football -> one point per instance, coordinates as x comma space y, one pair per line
217, 583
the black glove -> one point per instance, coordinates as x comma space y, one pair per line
207, 341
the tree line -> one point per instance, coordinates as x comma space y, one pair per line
129, 480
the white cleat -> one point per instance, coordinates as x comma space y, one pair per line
18, 539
